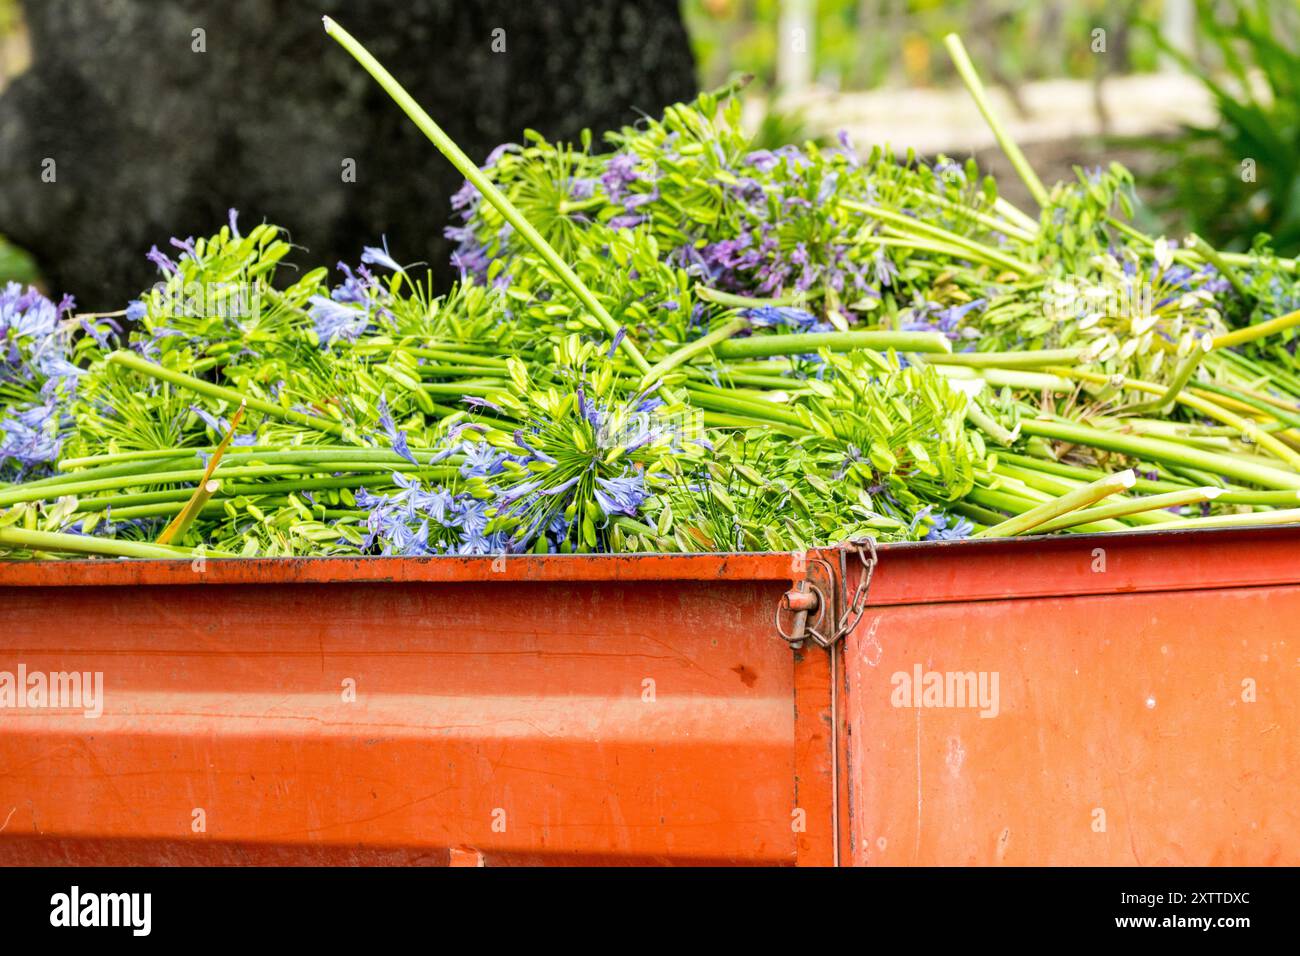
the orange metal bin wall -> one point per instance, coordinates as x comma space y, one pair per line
554, 710
644, 709
1149, 703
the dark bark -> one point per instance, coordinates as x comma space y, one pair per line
152, 139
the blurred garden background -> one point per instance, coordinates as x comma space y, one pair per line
1198, 97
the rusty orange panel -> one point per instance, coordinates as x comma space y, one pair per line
527, 722
642, 709
1147, 705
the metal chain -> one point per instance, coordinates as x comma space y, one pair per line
842, 613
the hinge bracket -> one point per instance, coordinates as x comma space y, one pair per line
819, 605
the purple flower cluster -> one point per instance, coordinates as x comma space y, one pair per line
36, 375
416, 520
946, 527
798, 320
353, 305
471, 257
930, 317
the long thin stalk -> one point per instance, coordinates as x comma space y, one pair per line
467, 168
1066, 503
692, 349
1155, 449
1132, 506
971, 78
59, 543
805, 342
198, 386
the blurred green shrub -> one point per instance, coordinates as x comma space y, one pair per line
859, 44
1240, 176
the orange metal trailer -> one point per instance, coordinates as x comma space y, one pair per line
1117, 699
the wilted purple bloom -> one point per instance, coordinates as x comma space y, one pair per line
334, 320
764, 160
161, 260
626, 222
375, 256
463, 199
886, 271
827, 187
233, 216
494, 157
621, 495
31, 436
522, 442
947, 527
476, 401
769, 316
619, 336
582, 187
620, 172
846, 148
396, 437
186, 246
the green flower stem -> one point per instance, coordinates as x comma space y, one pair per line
691, 349
200, 387
1182, 375
463, 388
467, 168
1009, 229
1066, 503
1011, 378
706, 397
1011, 360
1155, 449
1133, 507
1199, 245
191, 510
55, 542
21, 493
1290, 418
1252, 333
1009, 211
758, 346
458, 371
748, 302
1021, 165
1260, 437
138, 466
1255, 519
745, 378
253, 489
1004, 501
459, 358
724, 420
919, 244
987, 424
911, 226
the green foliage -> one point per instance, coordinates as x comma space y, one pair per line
1240, 176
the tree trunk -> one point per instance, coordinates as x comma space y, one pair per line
150, 138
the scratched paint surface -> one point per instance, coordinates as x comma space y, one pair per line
1140, 729
566, 723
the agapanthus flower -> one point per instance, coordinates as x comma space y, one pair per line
376, 256
946, 527
770, 316
620, 172
623, 495
396, 437
335, 320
